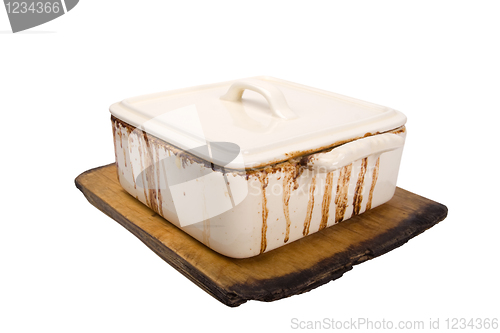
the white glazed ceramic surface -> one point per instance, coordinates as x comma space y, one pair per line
266, 117
242, 210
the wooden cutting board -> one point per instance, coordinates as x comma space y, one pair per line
289, 270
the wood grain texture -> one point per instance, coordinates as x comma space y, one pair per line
292, 269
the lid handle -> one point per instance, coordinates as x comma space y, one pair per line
274, 96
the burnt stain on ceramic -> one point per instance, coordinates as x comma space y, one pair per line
158, 180
341, 196
399, 130
265, 212
358, 192
374, 182
148, 159
286, 210
289, 184
149, 172
327, 199
310, 206
142, 176
289, 171
115, 146
324, 149
124, 151
132, 171
117, 134
120, 135
298, 159
146, 177
184, 157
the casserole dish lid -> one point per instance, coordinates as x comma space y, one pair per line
262, 120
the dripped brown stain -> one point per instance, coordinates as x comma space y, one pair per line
158, 180
358, 192
119, 131
286, 199
114, 125
327, 199
374, 182
125, 156
310, 207
341, 196
150, 174
288, 181
146, 147
184, 161
265, 212
144, 181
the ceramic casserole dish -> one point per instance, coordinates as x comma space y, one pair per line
250, 165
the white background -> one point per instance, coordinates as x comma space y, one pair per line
66, 267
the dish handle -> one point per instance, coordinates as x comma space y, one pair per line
355, 150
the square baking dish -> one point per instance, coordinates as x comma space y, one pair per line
250, 165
